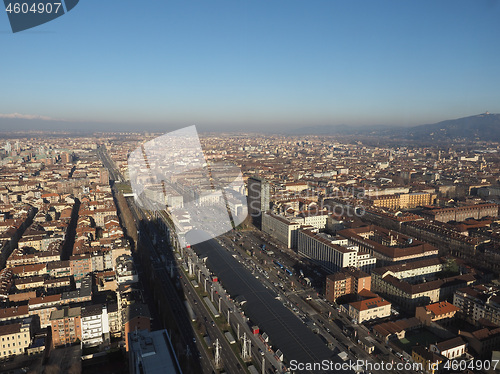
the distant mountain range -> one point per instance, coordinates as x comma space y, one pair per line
484, 126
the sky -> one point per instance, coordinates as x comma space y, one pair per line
252, 64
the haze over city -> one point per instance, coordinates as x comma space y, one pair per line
226, 65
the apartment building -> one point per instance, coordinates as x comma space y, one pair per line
13, 314
29, 282
43, 307
478, 302
59, 269
431, 362
80, 266
66, 326
134, 317
348, 281
95, 324
29, 270
15, 338
442, 236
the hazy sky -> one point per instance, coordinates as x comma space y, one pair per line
255, 63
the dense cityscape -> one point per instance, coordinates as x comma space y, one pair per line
339, 254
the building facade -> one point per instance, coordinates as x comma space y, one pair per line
66, 326
15, 338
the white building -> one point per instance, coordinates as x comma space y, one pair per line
15, 338
282, 229
365, 310
95, 325
285, 229
451, 348
333, 254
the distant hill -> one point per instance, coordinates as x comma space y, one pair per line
484, 126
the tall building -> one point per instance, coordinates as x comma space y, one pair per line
345, 282
258, 198
95, 325
66, 326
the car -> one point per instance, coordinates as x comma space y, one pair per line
213, 324
261, 352
194, 340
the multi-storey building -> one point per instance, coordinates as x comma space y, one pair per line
348, 281
135, 317
432, 363
81, 265
84, 293
483, 341
66, 326
282, 229
13, 314
95, 325
29, 270
365, 310
59, 269
387, 246
403, 201
408, 294
115, 320
330, 255
258, 198
15, 338
461, 213
285, 229
316, 219
442, 236
43, 307
478, 302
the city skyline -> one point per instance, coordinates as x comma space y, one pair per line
231, 67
